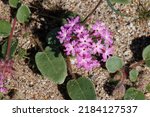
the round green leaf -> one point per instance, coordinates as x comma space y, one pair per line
121, 1
14, 3
23, 14
134, 94
81, 89
146, 55
5, 28
133, 75
113, 64
51, 66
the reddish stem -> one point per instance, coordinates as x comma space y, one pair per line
124, 74
10, 40
123, 77
137, 64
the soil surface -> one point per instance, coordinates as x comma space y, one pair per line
130, 35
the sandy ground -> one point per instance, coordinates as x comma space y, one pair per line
130, 36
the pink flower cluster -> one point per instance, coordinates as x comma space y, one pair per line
2, 88
85, 44
6, 70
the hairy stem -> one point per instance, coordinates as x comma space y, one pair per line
91, 12
69, 66
136, 64
10, 40
123, 77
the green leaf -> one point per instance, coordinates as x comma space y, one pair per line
134, 94
133, 75
14, 3
51, 66
5, 28
114, 64
14, 45
23, 14
146, 55
121, 1
81, 89
148, 87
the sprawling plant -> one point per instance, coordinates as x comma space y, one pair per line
10, 45
85, 45
89, 45
115, 64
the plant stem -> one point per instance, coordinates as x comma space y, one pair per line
123, 77
91, 12
37, 41
10, 40
69, 66
136, 64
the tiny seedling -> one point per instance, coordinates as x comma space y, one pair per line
133, 75
114, 64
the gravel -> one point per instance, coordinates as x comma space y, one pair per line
29, 85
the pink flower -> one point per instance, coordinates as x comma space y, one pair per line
80, 30
106, 35
82, 61
93, 64
85, 44
97, 47
70, 48
2, 88
98, 28
6, 70
82, 50
87, 62
72, 22
64, 35
6, 67
107, 53
85, 40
